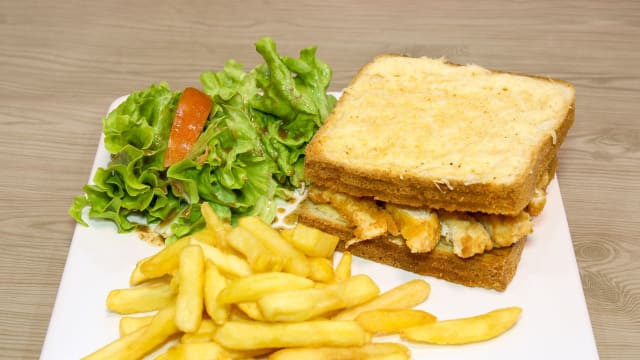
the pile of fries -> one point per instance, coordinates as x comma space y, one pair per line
250, 291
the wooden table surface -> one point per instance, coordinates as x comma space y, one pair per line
63, 62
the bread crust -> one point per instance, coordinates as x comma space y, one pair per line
386, 185
492, 270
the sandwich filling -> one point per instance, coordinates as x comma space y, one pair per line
422, 229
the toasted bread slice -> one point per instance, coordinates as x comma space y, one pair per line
493, 270
427, 133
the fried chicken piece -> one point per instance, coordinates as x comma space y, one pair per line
467, 236
419, 227
364, 214
506, 230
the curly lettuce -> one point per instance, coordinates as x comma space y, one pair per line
251, 150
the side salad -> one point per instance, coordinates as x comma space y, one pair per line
248, 152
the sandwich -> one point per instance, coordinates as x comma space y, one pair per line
437, 168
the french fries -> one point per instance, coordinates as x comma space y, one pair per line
189, 302
251, 310
313, 242
140, 299
343, 269
251, 335
226, 262
129, 324
214, 283
260, 259
215, 225
137, 276
165, 261
207, 236
373, 351
244, 292
204, 333
404, 296
466, 330
253, 287
301, 305
140, 342
321, 269
295, 261
205, 350
392, 321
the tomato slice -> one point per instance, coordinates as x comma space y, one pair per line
192, 112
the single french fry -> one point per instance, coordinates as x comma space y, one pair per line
129, 324
305, 304
465, 330
404, 296
250, 335
137, 276
140, 299
214, 283
373, 351
140, 342
189, 302
321, 270
313, 242
117, 348
260, 259
215, 224
253, 287
296, 262
165, 261
343, 269
392, 321
225, 261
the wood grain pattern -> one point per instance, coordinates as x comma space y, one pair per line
63, 62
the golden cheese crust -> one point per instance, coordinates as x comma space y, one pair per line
426, 133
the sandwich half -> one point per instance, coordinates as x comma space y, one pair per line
437, 168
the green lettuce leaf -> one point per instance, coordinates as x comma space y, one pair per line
251, 150
136, 134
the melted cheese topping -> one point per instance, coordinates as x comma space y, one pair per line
435, 120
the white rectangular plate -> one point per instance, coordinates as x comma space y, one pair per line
554, 323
